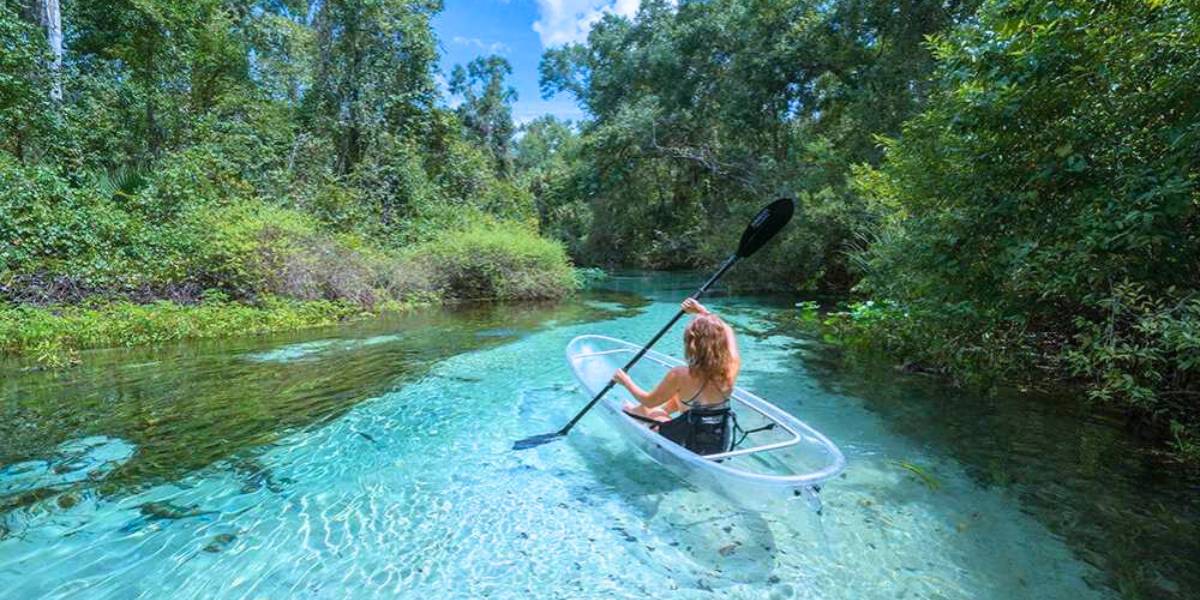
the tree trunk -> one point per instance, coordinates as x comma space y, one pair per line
49, 14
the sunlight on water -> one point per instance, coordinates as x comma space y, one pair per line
400, 481
302, 350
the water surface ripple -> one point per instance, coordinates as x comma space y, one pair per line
373, 461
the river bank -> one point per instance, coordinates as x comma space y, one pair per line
481, 264
1125, 370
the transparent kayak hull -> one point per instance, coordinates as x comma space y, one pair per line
769, 470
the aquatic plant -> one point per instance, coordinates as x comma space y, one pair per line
922, 474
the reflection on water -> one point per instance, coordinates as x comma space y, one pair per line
373, 460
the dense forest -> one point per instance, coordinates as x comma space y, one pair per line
294, 156
1002, 188
1008, 187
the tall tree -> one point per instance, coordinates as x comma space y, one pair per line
23, 87
373, 71
701, 108
486, 109
50, 16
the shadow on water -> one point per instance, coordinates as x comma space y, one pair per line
1074, 468
705, 534
183, 407
691, 538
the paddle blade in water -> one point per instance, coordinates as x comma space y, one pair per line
537, 440
765, 225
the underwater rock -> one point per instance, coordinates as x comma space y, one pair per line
461, 378
913, 368
257, 476
628, 536
167, 510
220, 542
727, 549
783, 591
72, 462
68, 500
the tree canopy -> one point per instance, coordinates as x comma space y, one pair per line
1013, 181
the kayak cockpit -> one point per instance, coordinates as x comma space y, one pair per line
783, 456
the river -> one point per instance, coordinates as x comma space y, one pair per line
373, 460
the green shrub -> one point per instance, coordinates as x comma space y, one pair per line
1054, 160
587, 276
254, 249
47, 225
498, 261
1144, 354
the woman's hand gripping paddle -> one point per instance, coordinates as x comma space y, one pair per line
765, 225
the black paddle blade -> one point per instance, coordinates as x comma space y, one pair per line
765, 225
537, 440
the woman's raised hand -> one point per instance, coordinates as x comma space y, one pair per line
691, 307
621, 377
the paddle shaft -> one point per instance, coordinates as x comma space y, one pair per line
661, 332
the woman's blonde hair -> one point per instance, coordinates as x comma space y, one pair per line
706, 346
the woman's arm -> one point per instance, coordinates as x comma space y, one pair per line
692, 307
666, 389
734, 356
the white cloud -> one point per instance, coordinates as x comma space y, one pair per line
567, 21
492, 47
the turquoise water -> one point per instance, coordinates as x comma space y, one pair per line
374, 461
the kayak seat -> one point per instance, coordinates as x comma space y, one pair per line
703, 430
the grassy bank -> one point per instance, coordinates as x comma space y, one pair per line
1139, 361
271, 270
54, 335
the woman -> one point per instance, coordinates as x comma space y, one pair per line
706, 383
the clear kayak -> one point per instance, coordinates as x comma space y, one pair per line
784, 462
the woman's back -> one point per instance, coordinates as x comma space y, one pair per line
696, 390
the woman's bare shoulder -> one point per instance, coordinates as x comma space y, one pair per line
680, 375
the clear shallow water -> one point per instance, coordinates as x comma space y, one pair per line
373, 460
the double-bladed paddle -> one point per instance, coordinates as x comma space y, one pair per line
765, 225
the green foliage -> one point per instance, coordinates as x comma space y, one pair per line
1043, 209
485, 109
1054, 160
498, 261
252, 150
587, 276
704, 110
24, 87
45, 218
1144, 353
949, 339
53, 336
373, 73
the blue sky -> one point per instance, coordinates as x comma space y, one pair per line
520, 30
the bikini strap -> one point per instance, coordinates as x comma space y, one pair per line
691, 401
